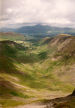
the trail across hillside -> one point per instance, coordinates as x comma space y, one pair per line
33, 106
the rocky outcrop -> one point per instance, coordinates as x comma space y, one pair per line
63, 102
73, 93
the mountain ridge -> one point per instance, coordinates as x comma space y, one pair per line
40, 29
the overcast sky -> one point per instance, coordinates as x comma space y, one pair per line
53, 12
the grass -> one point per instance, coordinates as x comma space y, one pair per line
18, 94
13, 37
41, 78
7, 103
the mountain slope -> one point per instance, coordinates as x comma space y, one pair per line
64, 44
44, 30
61, 50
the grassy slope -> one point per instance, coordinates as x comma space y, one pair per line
11, 36
30, 72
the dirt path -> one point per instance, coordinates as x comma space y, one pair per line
33, 106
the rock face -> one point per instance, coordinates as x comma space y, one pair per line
73, 93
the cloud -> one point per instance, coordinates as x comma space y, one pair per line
53, 12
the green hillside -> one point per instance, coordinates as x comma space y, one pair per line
33, 71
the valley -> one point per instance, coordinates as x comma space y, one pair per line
35, 71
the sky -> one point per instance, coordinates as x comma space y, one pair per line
15, 13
